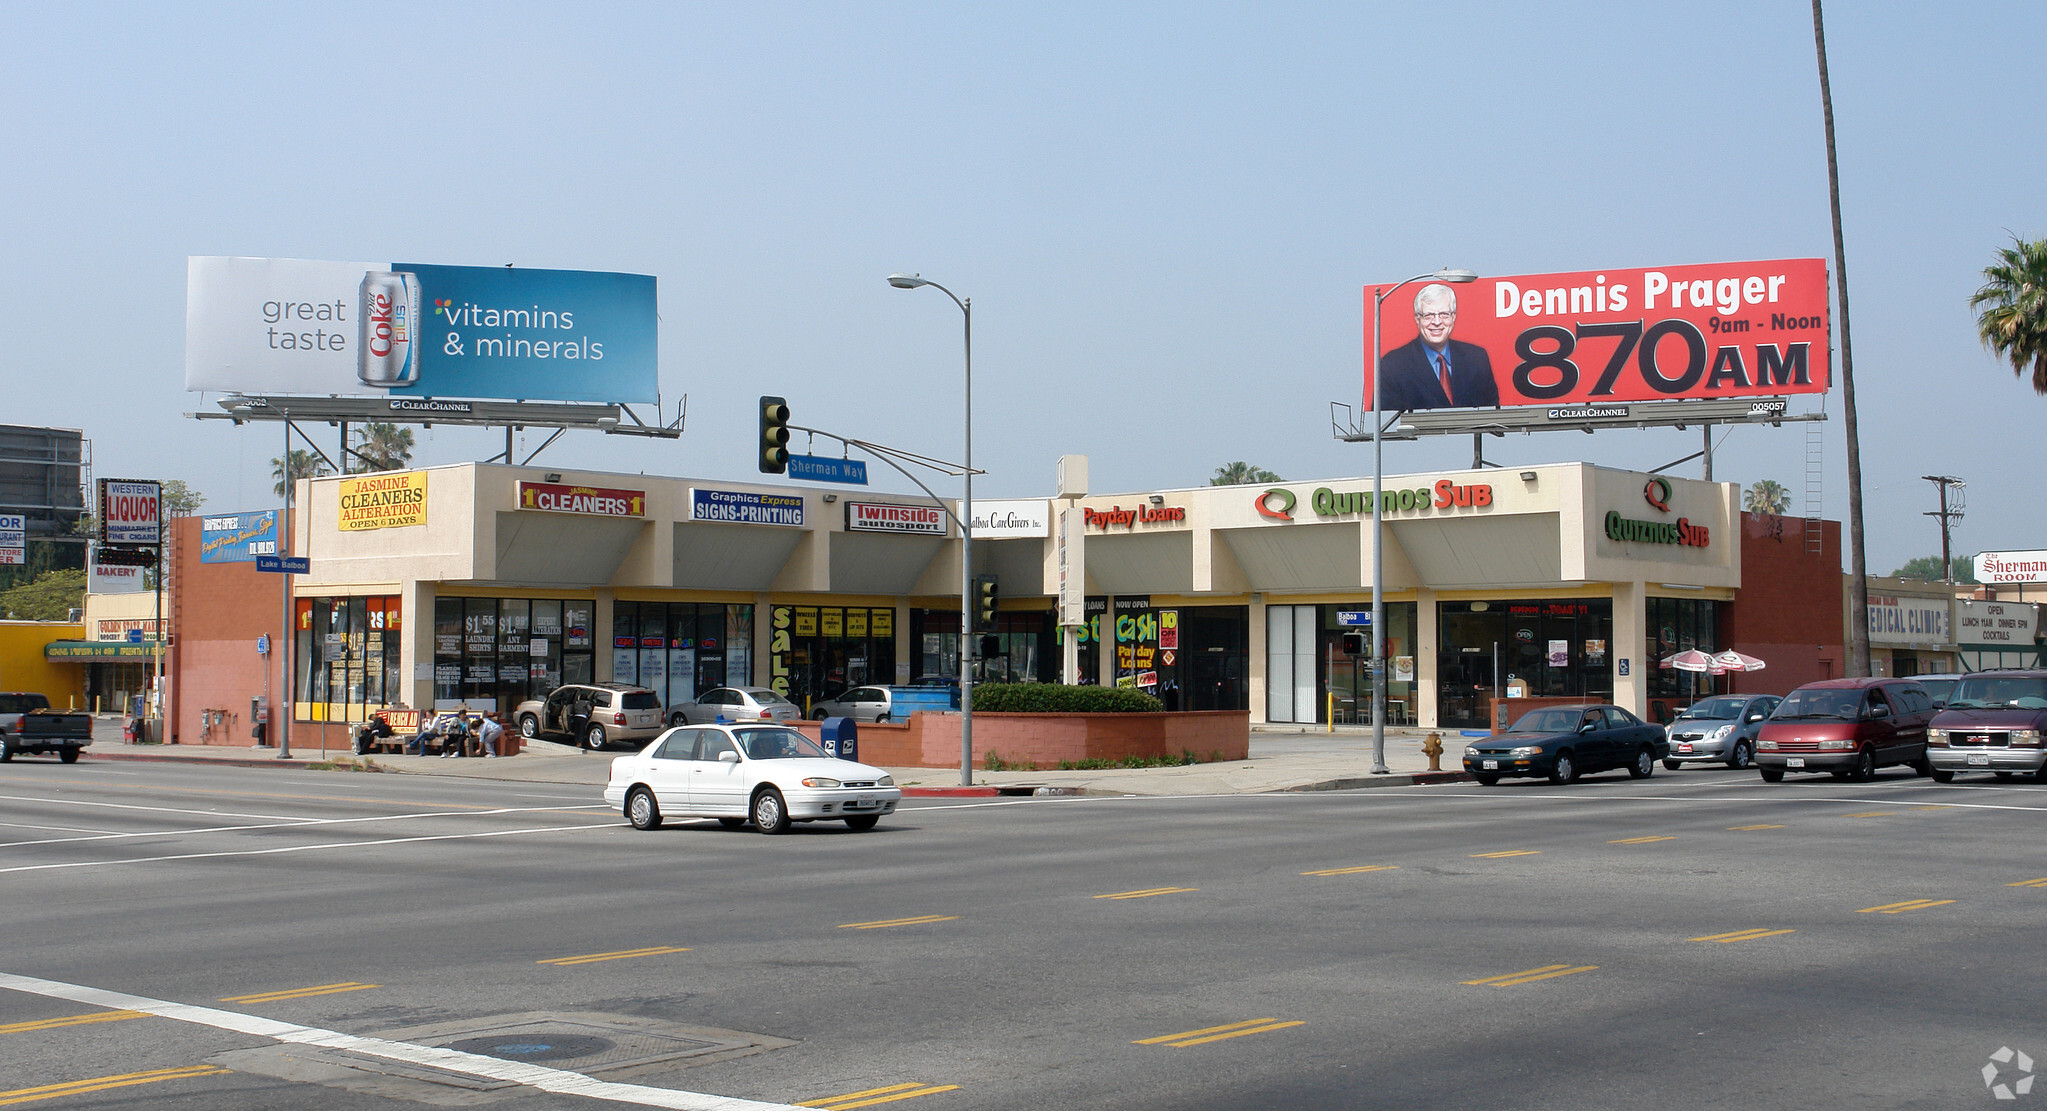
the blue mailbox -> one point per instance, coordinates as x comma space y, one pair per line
840, 737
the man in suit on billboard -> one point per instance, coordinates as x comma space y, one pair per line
1433, 371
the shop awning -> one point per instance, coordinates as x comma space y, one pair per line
97, 650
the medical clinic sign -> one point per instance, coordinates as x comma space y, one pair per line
590, 500
1717, 330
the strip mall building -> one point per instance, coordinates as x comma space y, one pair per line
486, 585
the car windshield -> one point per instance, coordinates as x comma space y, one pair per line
641, 700
1714, 709
770, 698
1558, 719
1833, 702
1940, 689
2015, 693
777, 744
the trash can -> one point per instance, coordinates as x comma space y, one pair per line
840, 737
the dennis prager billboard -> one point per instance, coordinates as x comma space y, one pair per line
416, 330
1718, 330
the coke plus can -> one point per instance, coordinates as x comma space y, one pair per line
387, 352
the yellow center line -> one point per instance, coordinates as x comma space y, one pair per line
1640, 840
1351, 871
70, 1020
2041, 882
1217, 1033
1753, 827
1148, 892
622, 954
918, 921
1869, 814
297, 993
873, 1096
1909, 904
1237, 1033
1531, 975
1509, 852
103, 1083
1745, 935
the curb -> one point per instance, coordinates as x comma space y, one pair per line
1354, 783
229, 761
951, 792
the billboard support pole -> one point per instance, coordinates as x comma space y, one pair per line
284, 629
1707, 429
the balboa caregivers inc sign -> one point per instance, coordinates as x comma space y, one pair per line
383, 501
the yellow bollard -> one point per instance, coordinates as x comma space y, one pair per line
1332, 711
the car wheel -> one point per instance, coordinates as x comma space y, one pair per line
2006, 776
1672, 765
594, 739
1565, 769
862, 823
1741, 756
69, 756
1486, 779
1644, 765
529, 727
732, 823
1942, 775
881, 719
642, 810
1922, 767
769, 815
6, 750
1864, 768
1772, 775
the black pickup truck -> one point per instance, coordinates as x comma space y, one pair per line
28, 725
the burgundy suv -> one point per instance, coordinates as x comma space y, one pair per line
1849, 727
1993, 722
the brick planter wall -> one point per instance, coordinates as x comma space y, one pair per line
931, 740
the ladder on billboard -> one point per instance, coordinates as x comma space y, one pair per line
1815, 459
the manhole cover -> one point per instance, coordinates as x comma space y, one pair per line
522, 1048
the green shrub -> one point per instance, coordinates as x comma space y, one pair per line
1053, 698
995, 763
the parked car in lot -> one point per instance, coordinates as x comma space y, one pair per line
1994, 722
618, 712
1721, 730
1564, 742
768, 774
858, 703
1849, 727
1938, 686
734, 704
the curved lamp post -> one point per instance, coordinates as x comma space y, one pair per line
966, 517
1378, 531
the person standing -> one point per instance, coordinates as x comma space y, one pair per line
1433, 371
579, 717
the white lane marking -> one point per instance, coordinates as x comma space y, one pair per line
452, 1060
308, 822
51, 829
215, 813
297, 848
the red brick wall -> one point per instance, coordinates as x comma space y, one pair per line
217, 610
933, 740
1788, 612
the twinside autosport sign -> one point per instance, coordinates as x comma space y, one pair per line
1579, 340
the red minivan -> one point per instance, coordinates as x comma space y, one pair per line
1849, 727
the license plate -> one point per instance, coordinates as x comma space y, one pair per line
1979, 759
1795, 762
1488, 764
1684, 748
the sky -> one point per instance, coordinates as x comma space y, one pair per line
1164, 215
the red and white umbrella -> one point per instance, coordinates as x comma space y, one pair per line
1691, 659
1731, 660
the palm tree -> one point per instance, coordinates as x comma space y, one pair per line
2013, 300
304, 464
1767, 496
1241, 473
384, 447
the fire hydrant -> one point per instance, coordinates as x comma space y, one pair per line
1433, 749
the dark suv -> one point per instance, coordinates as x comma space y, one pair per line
1993, 723
1849, 727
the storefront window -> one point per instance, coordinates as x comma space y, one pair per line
1350, 674
345, 656
820, 651
494, 653
681, 649
1679, 625
1544, 649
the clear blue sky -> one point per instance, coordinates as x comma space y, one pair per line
1164, 213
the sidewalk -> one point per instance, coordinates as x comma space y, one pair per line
1282, 758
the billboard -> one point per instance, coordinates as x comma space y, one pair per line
130, 511
417, 330
13, 538
237, 537
1573, 341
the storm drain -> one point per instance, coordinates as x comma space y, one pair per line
605, 1045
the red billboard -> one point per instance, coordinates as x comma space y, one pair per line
1714, 330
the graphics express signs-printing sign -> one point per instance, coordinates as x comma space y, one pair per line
920, 520
388, 500
1280, 504
591, 500
1585, 340
415, 330
745, 508
238, 537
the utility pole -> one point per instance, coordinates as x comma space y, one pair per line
1949, 512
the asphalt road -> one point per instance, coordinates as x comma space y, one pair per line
218, 938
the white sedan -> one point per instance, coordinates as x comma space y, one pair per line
770, 775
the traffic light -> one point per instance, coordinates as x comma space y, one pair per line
984, 603
774, 436
991, 647
1354, 643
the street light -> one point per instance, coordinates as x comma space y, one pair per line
1378, 530
966, 518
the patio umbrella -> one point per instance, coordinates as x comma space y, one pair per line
1731, 660
1691, 659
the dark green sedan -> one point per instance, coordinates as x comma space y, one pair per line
1562, 743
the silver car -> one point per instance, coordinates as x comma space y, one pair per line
1718, 730
859, 703
733, 704
610, 712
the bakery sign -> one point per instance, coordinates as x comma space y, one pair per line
594, 501
914, 520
